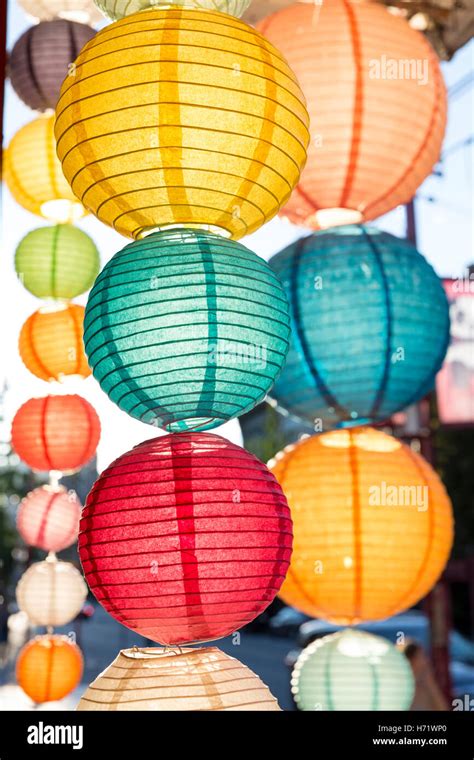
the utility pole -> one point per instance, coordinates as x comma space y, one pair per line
437, 604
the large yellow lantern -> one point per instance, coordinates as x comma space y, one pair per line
372, 525
34, 176
181, 117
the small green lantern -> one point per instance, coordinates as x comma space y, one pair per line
59, 262
352, 670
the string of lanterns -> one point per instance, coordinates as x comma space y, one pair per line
55, 433
190, 182
200, 138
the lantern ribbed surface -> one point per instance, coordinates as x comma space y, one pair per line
372, 522
185, 329
34, 176
185, 538
370, 326
117, 9
50, 343
352, 670
49, 667
41, 59
59, 262
51, 593
181, 117
56, 433
181, 680
376, 98
82, 11
48, 518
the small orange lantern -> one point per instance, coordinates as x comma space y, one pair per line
56, 433
49, 667
372, 525
51, 345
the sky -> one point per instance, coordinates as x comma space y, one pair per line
444, 227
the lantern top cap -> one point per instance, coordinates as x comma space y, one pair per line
160, 653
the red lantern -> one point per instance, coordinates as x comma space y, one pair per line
186, 537
48, 518
56, 433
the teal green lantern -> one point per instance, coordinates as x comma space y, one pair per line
185, 329
370, 326
59, 262
352, 670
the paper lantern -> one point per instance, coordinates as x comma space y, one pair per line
181, 679
59, 262
377, 104
372, 522
185, 538
51, 345
34, 176
181, 117
41, 59
186, 329
116, 9
48, 518
83, 11
51, 593
370, 326
49, 667
352, 670
56, 433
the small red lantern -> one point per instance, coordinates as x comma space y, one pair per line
56, 433
48, 518
185, 538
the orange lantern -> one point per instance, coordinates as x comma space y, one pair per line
377, 106
56, 433
49, 667
51, 345
372, 524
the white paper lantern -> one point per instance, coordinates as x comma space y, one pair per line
51, 592
177, 679
83, 11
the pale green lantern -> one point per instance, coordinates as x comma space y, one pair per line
59, 262
117, 9
352, 670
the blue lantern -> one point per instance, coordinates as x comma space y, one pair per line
370, 326
185, 329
